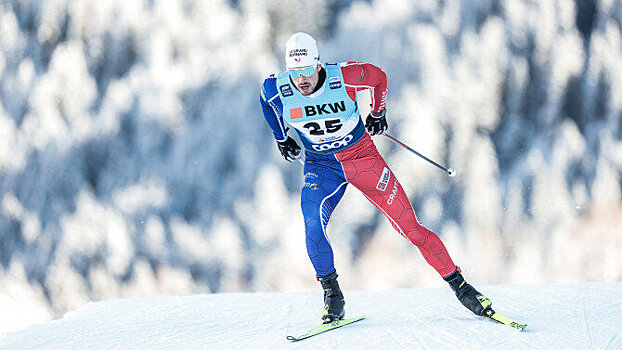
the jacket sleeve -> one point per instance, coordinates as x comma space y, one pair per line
359, 76
272, 108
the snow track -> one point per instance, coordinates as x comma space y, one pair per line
570, 316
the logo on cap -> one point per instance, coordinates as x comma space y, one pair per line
298, 52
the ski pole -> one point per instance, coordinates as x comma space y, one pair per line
451, 172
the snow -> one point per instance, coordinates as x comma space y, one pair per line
135, 162
562, 316
22, 314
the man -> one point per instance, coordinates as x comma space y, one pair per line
319, 101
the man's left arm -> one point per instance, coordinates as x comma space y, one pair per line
359, 76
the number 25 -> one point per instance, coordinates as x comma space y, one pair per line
331, 126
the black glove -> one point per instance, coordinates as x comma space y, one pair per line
289, 149
376, 124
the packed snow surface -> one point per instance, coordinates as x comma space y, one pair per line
570, 316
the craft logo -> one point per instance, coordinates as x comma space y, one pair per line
297, 52
393, 193
334, 82
286, 90
384, 180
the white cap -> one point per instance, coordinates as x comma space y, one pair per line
300, 51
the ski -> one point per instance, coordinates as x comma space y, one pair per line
490, 313
325, 328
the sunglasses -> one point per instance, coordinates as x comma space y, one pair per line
306, 72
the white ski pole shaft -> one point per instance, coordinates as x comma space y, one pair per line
451, 172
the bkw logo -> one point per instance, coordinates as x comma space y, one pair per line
326, 108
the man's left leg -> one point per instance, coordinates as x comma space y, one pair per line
366, 170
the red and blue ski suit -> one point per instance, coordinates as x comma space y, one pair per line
338, 152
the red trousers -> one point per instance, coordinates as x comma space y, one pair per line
326, 178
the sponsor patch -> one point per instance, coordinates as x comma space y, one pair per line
298, 52
393, 193
334, 82
295, 113
325, 108
286, 90
330, 138
384, 179
332, 145
310, 185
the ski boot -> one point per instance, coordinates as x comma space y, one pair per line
468, 296
333, 299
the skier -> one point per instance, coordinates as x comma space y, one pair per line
319, 101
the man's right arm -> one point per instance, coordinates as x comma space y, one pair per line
273, 108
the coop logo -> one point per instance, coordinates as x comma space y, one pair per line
393, 193
384, 179
337, 144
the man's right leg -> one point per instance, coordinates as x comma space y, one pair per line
324, 186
